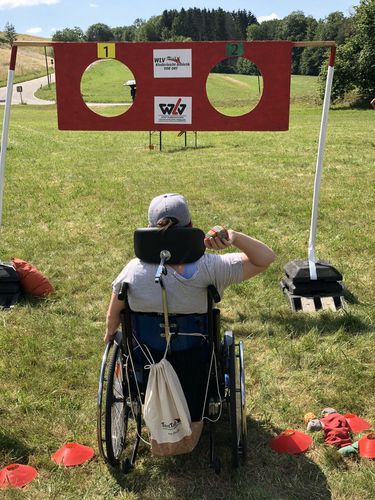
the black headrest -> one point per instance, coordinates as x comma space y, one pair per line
184, 243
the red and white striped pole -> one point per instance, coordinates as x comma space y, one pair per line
319, 165
4, 134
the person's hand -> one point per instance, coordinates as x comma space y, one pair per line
108, 337
217, 243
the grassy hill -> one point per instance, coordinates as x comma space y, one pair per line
31, 61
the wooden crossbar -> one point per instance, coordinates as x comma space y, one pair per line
30, 43
315, 44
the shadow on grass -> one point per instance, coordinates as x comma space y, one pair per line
12, 450
350, 297
298, 324
180, 149
34, 301
264, 475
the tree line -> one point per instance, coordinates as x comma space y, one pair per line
172, 25
204, 24
354, 35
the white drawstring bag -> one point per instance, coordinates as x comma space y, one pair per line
166, 412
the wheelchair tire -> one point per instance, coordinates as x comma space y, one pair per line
237, 404
116, 409
100, 413
119, 420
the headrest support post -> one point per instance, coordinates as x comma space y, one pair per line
165, 255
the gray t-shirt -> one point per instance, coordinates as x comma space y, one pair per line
184, 295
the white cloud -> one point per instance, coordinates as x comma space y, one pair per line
34, 31
12, 4
93, 5
268, 18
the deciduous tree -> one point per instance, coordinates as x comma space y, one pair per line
99, 32
69, 35
355, 62
10, 35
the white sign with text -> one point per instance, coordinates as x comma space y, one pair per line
172, 109
172, 63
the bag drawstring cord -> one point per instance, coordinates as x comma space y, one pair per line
213, 358
136, 383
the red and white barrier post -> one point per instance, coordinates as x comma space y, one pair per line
4, 135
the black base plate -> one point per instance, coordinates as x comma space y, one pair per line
312, 287
298, 271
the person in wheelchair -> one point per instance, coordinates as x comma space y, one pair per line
169, 365
186, 283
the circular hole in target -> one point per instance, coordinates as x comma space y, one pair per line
108, 87
234, 86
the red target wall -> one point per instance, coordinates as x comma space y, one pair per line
171, 85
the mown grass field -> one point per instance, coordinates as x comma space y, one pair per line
72, 201
234, 94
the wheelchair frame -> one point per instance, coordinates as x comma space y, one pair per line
119, 401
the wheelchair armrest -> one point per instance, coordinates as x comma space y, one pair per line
123, 291
214, 294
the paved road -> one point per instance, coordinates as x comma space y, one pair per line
28, 90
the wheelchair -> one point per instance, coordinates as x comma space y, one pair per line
210, 367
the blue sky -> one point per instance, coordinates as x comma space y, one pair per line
44, 17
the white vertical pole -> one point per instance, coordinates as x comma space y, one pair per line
319, 168
4, 134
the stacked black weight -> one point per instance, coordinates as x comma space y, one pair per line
297, 283
10, 286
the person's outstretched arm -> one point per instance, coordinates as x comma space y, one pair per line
256, 256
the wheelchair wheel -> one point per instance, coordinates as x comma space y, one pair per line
116, 410
119, 422
100, 417
237, 403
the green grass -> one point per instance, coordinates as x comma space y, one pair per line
72, 201
104, 82
24, 77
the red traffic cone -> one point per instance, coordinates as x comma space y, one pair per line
72, 454
357, 424
366, 446
290, 441
16, 476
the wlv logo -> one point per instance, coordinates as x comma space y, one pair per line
173, 108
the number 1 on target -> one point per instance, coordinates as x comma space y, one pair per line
106, 50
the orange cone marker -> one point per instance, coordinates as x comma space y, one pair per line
16, 476
291, 441
73, 454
